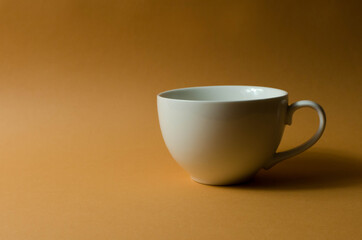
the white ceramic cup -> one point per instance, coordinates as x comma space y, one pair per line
225, 134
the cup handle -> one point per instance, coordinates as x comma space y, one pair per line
278, 157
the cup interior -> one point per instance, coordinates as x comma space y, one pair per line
224, 93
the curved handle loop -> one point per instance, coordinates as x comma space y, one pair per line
278, 157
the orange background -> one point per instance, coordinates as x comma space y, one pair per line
81, 154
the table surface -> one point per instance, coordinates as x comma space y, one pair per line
82, 156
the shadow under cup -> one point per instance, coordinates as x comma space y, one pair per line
222, 134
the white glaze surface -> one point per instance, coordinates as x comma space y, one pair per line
223, 134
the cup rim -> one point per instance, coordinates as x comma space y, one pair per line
283, 95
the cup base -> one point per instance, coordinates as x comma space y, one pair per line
239, 181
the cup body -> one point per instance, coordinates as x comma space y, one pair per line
222, 134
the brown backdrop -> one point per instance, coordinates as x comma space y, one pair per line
81, 154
